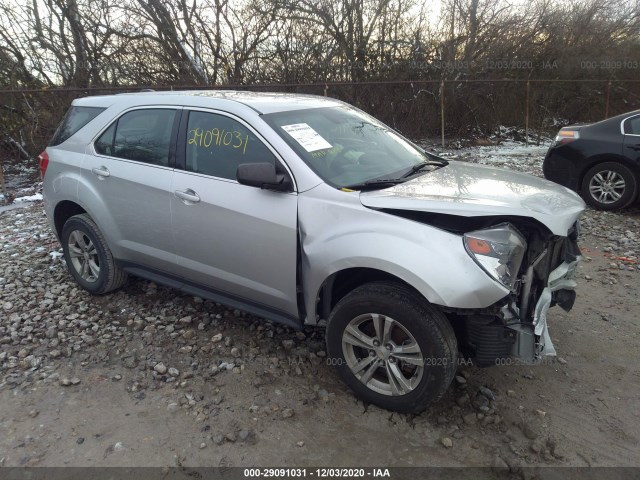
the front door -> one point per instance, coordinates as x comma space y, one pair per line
234, 239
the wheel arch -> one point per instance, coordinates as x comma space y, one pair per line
340, 283
62, 212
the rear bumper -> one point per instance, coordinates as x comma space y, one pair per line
49, 210
559, 169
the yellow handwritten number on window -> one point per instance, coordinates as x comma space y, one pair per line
224, 138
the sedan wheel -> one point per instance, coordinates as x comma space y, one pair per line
609, 186
392, 347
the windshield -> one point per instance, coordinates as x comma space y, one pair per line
345, 146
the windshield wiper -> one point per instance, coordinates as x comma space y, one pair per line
388, 182
383, 182
419, 166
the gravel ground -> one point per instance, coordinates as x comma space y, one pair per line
147, 376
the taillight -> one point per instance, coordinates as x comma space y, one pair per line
44, 163
566, 136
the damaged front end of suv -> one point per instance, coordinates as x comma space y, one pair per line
521, 231
539, 268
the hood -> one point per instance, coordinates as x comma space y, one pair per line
469, 190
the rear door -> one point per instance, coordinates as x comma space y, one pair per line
128, 172
237, 240
631, 128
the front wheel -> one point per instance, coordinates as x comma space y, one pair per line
392, 347
609, 186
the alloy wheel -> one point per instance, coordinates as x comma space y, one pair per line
607, 186
382, 354
84, 256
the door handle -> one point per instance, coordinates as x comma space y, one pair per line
101, 171
635, 147
187, 195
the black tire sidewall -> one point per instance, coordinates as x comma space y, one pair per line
76, 223
630, 192
439, 354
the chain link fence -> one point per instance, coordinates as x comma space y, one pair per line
444, 109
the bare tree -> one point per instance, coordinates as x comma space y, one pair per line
164, 43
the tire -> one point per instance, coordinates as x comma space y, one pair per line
609, 186
413, 323
88, 257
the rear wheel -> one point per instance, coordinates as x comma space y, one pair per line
391, 347
88, 257
609, 186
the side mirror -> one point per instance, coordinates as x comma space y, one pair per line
262, 175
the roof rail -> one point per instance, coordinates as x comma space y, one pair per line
147, 90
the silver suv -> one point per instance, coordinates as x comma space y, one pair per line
305, 210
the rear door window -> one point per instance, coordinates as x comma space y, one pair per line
141, 135
74, 120
632, 125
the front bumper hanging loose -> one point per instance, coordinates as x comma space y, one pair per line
531, 340
562, 278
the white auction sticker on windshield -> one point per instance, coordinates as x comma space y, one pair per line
307, 137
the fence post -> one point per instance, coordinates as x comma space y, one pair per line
606, 107
3, 187
442, 110
526, 115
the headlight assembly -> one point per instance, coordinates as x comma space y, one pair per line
499, 251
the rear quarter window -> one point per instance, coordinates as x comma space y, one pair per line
74, 120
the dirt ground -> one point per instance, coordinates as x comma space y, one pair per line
149, 377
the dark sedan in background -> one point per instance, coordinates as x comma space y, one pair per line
600, 161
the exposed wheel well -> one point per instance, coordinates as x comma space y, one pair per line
63, 211
341, 283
